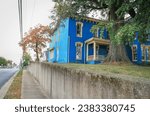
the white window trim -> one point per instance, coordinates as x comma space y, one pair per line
79, 43
81, 49
149, 52
79, 35
143, 50
132, 52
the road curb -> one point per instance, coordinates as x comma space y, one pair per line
6, 86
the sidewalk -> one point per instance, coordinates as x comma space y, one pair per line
31, 88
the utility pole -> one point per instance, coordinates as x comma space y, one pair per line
21, 27
20, 18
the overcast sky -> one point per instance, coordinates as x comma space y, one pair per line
34, 12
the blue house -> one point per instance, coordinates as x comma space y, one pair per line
141, 51
73, 42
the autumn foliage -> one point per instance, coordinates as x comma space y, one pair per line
36, 39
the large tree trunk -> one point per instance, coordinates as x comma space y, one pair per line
117, 53
37, 56
37, 53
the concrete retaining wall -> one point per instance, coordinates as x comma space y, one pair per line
61, 82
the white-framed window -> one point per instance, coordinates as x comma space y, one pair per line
51, 53
148, 53
143, 53
134, 52
79, 50
96, 33
79, 26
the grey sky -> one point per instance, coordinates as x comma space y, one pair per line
34, 12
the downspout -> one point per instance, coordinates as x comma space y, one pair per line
68, 48
84, 53
56, 52
68, 39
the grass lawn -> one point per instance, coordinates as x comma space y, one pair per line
14, 91
132, 70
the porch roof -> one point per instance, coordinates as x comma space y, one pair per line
97, 40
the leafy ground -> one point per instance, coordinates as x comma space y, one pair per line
132, 70
14, 91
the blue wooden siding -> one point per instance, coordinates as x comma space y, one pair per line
105, 34
64, 41
86, 34
91, 50
60, 43
139, 55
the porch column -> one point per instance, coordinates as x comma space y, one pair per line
87, 52
94, 51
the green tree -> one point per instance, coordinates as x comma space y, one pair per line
26, 59
119, 29
3, 61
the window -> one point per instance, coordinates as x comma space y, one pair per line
143, 53
78, 51
96, 33
134, 53
51, 53
148, 53
79, 26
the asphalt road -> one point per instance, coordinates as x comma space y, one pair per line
6, 74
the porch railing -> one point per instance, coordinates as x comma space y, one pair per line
98, 57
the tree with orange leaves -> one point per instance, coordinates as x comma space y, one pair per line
36, 39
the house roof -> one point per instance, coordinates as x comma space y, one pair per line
89, 19
98, 40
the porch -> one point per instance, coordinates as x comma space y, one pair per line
97, 57
96, 50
